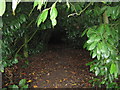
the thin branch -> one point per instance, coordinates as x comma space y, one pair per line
80, 11
26, 42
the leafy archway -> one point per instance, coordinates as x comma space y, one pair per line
100, 22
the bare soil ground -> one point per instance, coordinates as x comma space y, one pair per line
58, 67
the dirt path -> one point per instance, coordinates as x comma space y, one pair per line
57, 68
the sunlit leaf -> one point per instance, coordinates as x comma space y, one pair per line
54, 22
92, 46
44, 14
94, 53
97, 71
2, 7
113, 68
14, 5
53, 12
35, 3
92, 38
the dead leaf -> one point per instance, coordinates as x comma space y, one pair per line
29, 81
35, 86
60, 80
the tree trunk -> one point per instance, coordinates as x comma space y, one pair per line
26, 46
105, 18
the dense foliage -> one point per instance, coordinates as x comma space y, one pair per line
99, 23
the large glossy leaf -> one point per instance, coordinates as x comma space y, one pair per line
92, 38
53, 12
42, 17
2, 7
92, 46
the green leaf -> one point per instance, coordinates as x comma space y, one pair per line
107, 28
15, 61
44, 14
97, 38
92, 46
54, 22
35, 3
14, 5
109, 11
22, 82
90, 32
97, 71
40, 3
92, 38
25, 86
2, 7
53, 12
101, 29
77, 7
98, 56
112, 68
104, 48
99, 47
94, 53
39, 20
97, 11
84, 32
115, 12
13, 86
42, 17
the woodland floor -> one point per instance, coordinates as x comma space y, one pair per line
58, 67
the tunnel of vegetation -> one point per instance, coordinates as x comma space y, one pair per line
95, 28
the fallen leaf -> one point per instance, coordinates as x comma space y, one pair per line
35, 86
74, 84
60, 80
29, 81
33, 73
64, 79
